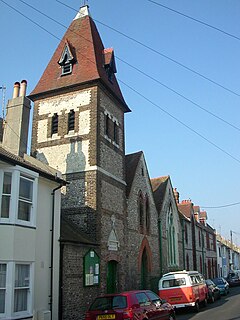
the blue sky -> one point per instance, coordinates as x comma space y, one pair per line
210, 177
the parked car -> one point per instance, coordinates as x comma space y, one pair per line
129, 305
213, 291
222, 285
233, 279
183, 289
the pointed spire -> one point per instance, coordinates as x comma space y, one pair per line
83, 12
83, 60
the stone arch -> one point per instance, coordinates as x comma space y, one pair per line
145, 245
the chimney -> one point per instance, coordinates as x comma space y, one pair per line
176, 195
203, 217
15, 135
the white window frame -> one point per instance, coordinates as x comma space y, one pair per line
10, 289
2, 314
18, 172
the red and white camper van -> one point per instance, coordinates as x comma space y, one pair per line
183, 289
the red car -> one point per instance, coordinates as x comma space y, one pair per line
130, 305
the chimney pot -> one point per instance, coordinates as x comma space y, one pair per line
16, 90
23, 88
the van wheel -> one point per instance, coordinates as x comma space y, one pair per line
196, 307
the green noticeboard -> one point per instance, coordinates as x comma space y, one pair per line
91, 269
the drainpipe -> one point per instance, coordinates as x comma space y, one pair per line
183, 244
52, 243
160, 245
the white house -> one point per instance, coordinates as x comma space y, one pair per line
29, 222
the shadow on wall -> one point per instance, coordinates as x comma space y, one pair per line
75, 160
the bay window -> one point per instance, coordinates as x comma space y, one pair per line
6, 194
25, 199
21, 287
15, 289
3, 275
18, 193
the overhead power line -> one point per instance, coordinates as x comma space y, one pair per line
223, 206
142, 72
196, 20
159, 53
179, 121
138, 93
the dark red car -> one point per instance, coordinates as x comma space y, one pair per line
130, 305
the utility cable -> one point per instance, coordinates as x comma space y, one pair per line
179, 121
142, 72
145, 98
196, 20
159, 53
223, 206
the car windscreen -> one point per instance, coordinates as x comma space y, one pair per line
106, 303
209, 282
173, 283
218, 281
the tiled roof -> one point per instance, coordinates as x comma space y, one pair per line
159, 186
87, 48
186, 209
131, 161
71, 233
31, 164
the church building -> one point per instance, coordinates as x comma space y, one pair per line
109, 222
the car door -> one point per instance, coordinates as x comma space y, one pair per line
146, 306
159, 310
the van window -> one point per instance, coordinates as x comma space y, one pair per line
174, 283
195, 279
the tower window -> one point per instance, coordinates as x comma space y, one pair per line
115, 132
71, 120
55, 123
107, 124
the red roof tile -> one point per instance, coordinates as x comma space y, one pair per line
87, 48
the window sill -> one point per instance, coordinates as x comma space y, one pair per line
8, 223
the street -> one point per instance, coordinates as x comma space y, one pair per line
227, 308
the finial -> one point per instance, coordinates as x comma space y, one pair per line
84, 10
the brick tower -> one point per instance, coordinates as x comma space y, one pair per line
78, 128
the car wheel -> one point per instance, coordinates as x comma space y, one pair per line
204, 303
196, 307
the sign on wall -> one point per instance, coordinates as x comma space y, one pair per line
91, 269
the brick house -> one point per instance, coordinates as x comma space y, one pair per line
201, 254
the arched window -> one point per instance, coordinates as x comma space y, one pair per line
147, 215
201, 266
187, 261
171, 238
186, 234
141, 212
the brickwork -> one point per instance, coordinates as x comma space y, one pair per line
169, 204
135, 238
